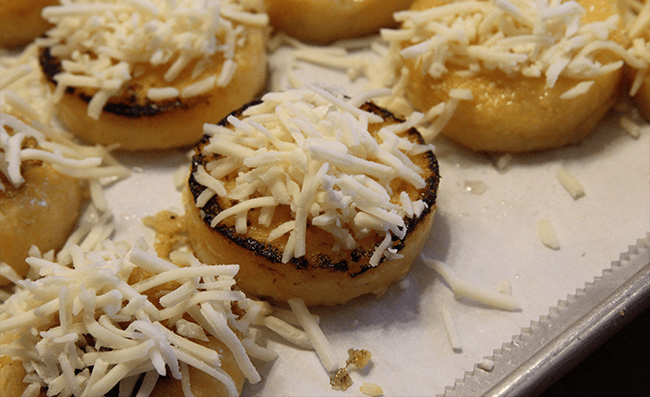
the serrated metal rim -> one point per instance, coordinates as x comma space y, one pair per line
587, 317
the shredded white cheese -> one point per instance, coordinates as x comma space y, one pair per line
636, 18
501, 160
464, 288
8, 272
104, 45
486, 365
91, 331
288, 332
570, 183
22, 92
547, 234
27, 132
633, 128
375, 65
505, 287
450, 327
52, 147
258, 352
288, 316
311, 149
326, 353
371, 389
580, 89
529, 38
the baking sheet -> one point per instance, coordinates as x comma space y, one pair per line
484, 238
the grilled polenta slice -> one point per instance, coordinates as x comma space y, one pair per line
520, 88
325, 21
175, 70
329, 238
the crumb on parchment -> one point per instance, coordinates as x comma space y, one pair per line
358, 358
171, 233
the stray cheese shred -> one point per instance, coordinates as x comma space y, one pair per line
464, 288
371, 389
570, 183
450, 327
547, 234
486, 365
326, 353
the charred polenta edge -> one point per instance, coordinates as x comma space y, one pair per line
269, 251
126, 105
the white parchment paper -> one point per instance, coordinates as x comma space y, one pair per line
484, 238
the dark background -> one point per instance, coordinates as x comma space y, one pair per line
620, 367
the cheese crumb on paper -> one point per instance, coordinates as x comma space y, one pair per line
570, 183
450, 327
547, 234
486, 365
371, 389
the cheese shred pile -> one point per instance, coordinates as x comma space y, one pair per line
28, 134
81, 329
519, 37
21, 142
23, 91
310, 149
636, 18
103, 45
